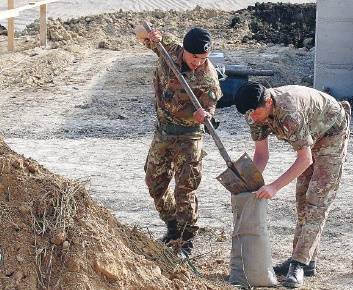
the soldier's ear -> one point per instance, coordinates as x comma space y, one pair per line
269, 101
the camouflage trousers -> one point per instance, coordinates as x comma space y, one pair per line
179, 157
316, 189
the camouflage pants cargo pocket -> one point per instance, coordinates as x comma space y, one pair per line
180, 157
188, 178
159, 173
315, 192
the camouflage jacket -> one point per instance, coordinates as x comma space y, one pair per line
301, 116
171, 101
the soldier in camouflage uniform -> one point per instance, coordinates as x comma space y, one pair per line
317, 127
176, 149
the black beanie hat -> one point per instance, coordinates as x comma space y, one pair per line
197, 41
249, 96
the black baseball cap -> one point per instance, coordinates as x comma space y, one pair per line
197, 40
249, 96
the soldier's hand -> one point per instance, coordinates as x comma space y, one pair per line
200, 115
266, 192
142, 34
155, 36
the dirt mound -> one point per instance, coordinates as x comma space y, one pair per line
267, 23
70, 40
3, 30
116, 30
279, 23
34, 68
53, 236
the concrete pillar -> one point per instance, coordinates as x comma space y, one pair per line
334, 47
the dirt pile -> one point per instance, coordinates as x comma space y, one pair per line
267, 23
53, 236
34, 68
72, 39
279, 23
3, 30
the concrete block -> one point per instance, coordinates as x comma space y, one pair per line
334, 44
335, 9
339, 80
334, 47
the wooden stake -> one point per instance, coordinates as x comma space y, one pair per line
11, 28
43, 25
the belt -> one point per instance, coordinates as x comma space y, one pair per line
174, 129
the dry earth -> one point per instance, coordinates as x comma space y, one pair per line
73, 8
87, 113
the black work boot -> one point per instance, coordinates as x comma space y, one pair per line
187, 247
172, 232
187, 233
310, 270
282, 268
295, 276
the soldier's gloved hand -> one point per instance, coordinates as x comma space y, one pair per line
200, 115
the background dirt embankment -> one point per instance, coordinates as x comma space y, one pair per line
287, 24
242, 35
265, 23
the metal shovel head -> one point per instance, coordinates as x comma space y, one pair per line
231, 181
243, 176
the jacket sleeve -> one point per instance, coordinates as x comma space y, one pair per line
259, 132
209, 92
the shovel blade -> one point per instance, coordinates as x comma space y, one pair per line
247, 178
249, 172
232, 182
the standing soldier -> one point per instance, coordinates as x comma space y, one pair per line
317, 127
176, 149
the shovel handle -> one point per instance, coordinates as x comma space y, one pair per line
193, 98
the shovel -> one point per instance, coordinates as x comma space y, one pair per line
231, 178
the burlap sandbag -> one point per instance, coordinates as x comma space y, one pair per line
251, 263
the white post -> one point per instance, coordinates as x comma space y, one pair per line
11, 28
334, 47
43, 25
